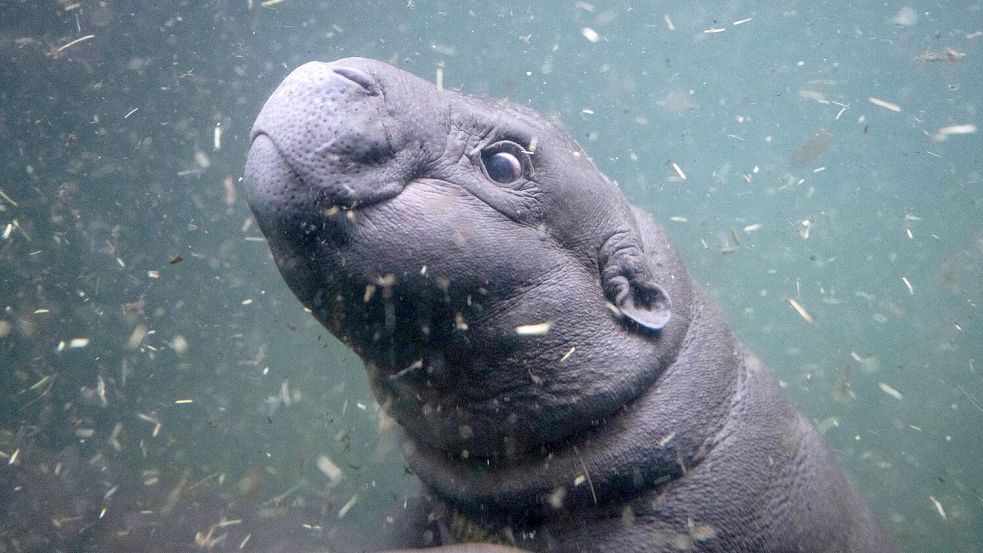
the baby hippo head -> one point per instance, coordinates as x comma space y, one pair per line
491, 278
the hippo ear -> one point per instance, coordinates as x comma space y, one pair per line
628, 281
643, 301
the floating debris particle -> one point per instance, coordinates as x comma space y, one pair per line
78, 343
586, 475
669, 24
412, 368
678, 170
386, 281
217, 137
868, 365
285, 396
969, 396
702, 532
590, 34
347, 506
209, 540
151, 420
945, 132
179, 344
801, 311
907, 283
136, 337
555, 498
7, 199
949, 55
331, 470
115, 443
828, 423
443, 49
538, 329
54, 53
230, 191
938, 507
37, 385
202, 159
884, 104
568, 354
804, 227
891, 391
101, 391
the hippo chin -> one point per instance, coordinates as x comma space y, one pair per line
561, 384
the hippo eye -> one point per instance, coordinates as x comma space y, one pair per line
503, 167
505, 162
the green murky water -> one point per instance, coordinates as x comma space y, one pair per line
796, 152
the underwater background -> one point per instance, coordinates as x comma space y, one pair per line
817, 164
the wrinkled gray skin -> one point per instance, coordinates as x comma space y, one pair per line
634, 423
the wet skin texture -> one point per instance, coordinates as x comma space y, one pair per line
561, 384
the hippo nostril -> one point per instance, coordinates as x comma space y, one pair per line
360, 78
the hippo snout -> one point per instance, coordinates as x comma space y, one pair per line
328, 129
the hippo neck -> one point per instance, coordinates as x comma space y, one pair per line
668, 430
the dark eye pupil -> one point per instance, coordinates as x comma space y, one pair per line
503, 167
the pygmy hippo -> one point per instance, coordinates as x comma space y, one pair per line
560, 382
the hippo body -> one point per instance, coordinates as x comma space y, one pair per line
561, 383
